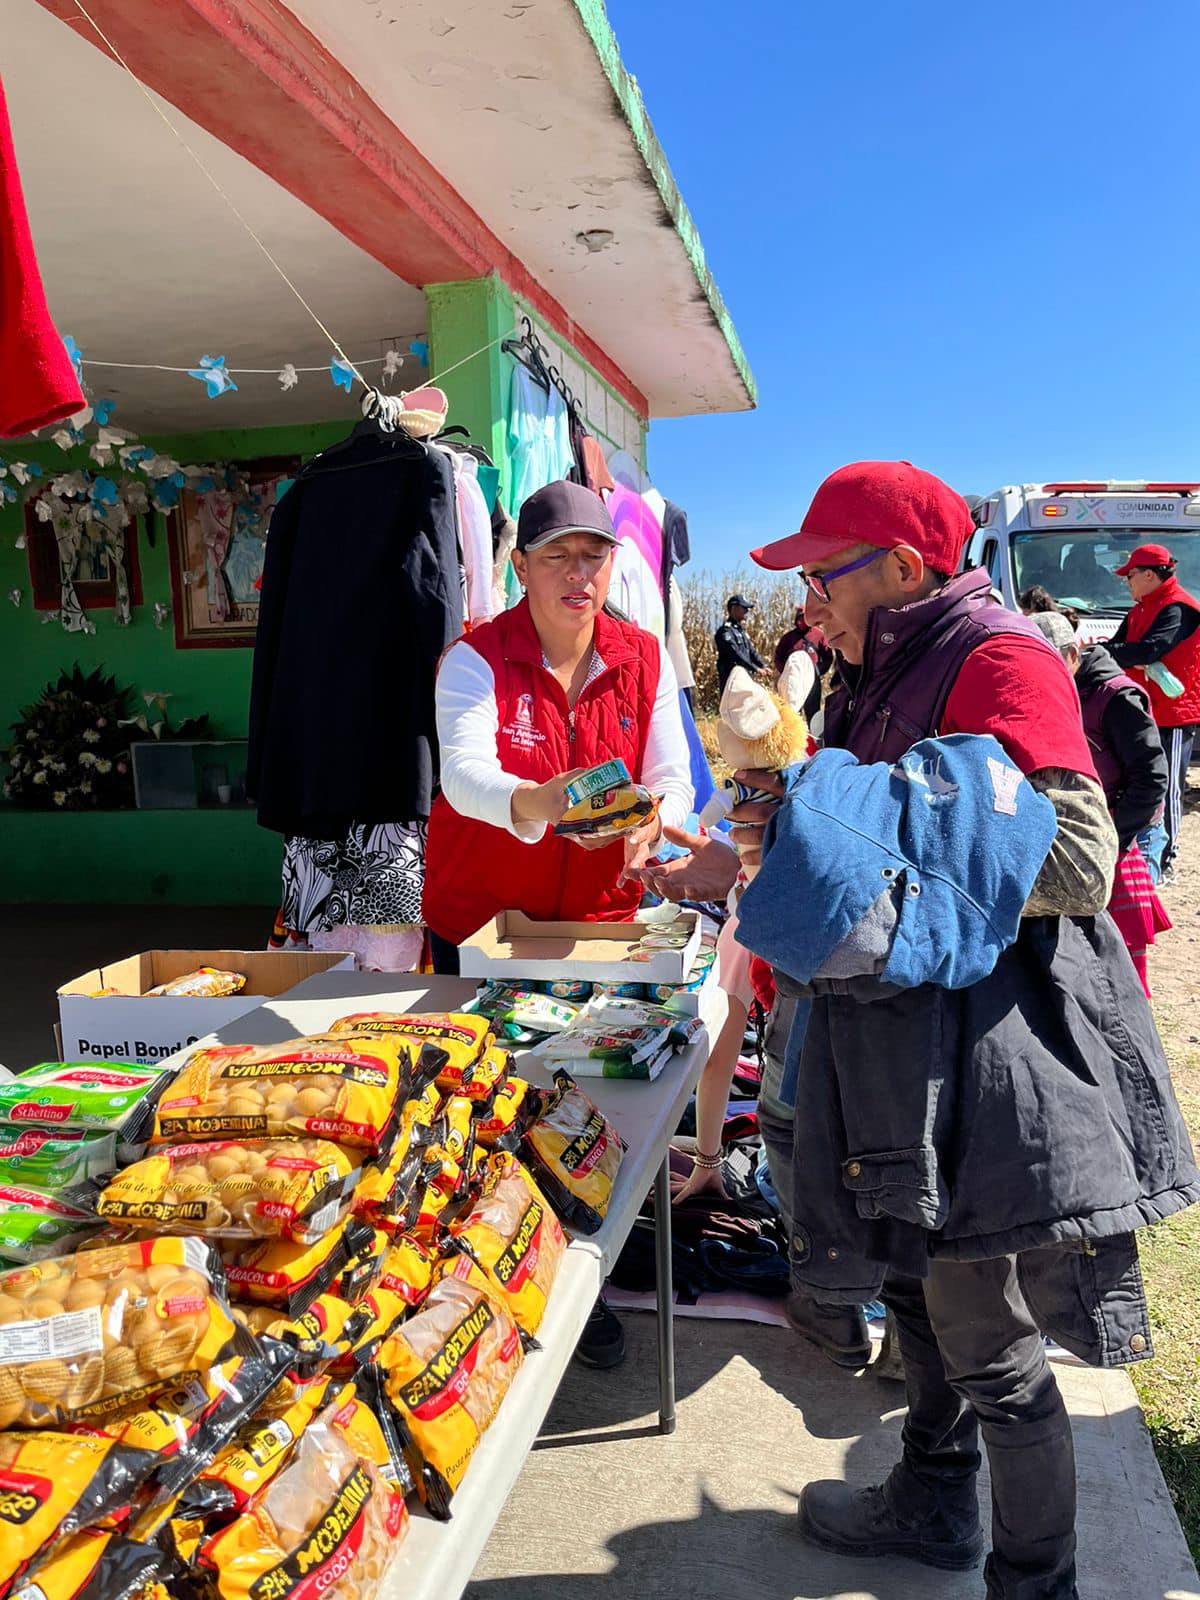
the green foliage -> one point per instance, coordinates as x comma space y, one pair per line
704, 597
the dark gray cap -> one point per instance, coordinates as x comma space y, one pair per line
559, 509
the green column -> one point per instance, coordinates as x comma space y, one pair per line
466, 322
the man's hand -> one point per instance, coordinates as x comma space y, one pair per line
640, 845
749, 820
707, 873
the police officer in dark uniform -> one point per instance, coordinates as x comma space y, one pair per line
734, 646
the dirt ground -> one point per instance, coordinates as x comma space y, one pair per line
1169, 1386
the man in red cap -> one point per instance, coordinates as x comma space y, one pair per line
1058, 1041
1163, 627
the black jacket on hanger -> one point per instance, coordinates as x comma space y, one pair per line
361, 594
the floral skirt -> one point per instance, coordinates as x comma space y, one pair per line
359, 893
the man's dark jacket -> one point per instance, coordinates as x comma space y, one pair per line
1031, 1114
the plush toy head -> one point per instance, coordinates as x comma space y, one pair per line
765, 731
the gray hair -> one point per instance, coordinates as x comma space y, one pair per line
1057, 629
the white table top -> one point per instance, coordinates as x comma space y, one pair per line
437, 1559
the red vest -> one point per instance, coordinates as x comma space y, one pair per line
472, 870
1183, 661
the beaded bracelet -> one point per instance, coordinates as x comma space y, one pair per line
708, 1163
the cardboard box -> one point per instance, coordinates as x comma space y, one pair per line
513, 945
130, 1026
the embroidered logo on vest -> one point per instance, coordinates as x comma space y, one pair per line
521, 730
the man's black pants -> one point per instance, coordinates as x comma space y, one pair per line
975, 1364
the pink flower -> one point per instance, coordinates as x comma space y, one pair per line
122, 768
102, 722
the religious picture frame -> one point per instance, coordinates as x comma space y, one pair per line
217, 541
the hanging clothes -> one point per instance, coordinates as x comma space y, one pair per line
637, 561
475, 538
676, 641
360, 596
539, 439
677, 546
39, 386
595, 467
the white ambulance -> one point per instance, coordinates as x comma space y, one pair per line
1071, 537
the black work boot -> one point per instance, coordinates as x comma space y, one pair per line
839, 1332
945, 1532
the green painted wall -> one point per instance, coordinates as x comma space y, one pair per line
143, 656
465, 321
197, 858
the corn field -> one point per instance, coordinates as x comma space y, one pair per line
704, 597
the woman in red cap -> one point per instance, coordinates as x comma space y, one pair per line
1162, 630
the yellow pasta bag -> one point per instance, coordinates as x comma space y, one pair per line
574, 1151
259, 1451
53, 1485
505, 1117
383, 1193
93, 1565
361, 1415
343, 1088
196, 1407
407, 1270
513, 1235
284, 1188
89, 1335
284, 1273
206, 983
446, 1370
327, 1525
376, 1314
471, 1067
458, 1118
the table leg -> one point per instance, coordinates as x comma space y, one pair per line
666, 1298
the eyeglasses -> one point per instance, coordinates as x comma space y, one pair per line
819, 582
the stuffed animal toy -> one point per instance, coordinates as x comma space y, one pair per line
761, 731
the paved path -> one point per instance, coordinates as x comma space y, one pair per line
620, 1513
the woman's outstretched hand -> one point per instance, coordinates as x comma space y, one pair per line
534, 803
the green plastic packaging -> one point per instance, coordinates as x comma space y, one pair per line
33, 1225
54, 1159
112, 1098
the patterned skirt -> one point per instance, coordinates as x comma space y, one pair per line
371, 878
1136, 908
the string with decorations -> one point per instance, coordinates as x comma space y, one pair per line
90, 511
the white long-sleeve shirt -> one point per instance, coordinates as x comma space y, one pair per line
475, 783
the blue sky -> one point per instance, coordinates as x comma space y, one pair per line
962, 235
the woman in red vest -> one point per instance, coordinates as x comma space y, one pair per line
529, 699
1163, 627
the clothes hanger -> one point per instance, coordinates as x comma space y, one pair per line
531, 353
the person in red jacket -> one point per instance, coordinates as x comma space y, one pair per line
524, 703
1163, 626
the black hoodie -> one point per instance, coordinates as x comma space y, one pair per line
1135, 771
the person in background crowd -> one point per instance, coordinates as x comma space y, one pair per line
1162, 629
1035, 599
735, 648
1129, 759
524, 703
967, 1226
801, 637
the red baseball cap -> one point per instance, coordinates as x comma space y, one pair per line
1147, 555
884, 503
